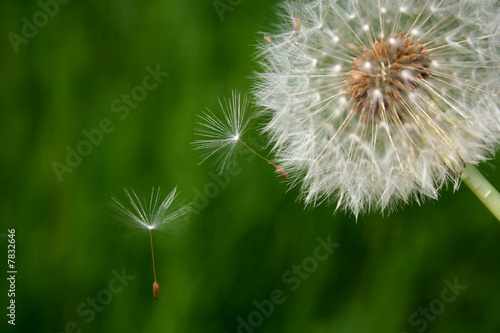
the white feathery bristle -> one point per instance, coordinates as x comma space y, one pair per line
152, 214
221, 135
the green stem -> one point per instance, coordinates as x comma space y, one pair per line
482, 188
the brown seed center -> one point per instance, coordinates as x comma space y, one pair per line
383, 76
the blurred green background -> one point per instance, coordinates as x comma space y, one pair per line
244, 240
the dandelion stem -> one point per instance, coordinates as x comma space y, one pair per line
155, 284
482, 188
152, 253
253, 151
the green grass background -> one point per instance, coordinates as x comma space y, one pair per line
237, 248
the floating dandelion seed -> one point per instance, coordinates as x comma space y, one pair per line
224, 136
378, 102
155, 214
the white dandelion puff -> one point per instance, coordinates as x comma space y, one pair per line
152, 214
223, 137
378, 102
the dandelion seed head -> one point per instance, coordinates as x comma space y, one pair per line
378, 121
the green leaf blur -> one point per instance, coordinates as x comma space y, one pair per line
251, 258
